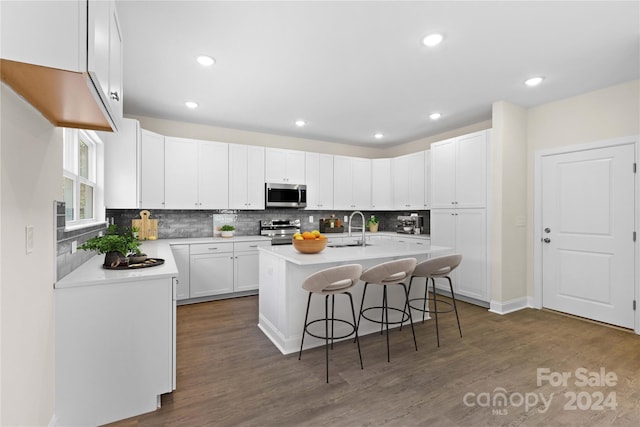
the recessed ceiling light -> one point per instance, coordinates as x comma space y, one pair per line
432, 40
300, 123
435, 116
205, 61
378, 135
191, 104
534, 81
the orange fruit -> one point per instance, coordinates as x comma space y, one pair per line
307, 235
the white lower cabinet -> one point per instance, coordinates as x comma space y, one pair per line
217, 268
181, 257
211, 269
464, 230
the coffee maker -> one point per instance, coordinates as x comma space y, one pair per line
410, 224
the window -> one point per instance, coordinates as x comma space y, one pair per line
80, 177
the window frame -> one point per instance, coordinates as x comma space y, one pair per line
70, 170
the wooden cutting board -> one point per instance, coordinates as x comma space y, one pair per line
147, 228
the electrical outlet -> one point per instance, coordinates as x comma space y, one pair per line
28, 237
100, 233
310, 218
346, 219
74, 246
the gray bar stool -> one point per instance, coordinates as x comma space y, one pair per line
388, 273
433, 268
329, 282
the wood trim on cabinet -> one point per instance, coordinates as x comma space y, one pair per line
63, 97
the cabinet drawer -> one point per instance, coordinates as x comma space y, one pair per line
211, 248
250, 246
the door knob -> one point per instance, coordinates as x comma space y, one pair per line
547, 230
546, 240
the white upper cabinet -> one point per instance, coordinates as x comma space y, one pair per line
121, 166
427, 179
351, 183
151, 170
66, 41
408, 181
246, 177
381, 192
319, 179
284, 166
459, 172
196, 174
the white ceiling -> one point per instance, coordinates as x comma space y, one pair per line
351, 69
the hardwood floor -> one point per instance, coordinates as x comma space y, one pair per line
229, 374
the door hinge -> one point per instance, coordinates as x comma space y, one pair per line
634, 168
634, 305
634, 236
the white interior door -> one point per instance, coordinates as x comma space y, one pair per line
588, 233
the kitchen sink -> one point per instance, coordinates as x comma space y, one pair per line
345, 245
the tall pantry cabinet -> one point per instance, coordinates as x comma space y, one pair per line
459, 176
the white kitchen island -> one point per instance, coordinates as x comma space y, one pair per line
283, 301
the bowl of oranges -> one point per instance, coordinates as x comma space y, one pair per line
309, 242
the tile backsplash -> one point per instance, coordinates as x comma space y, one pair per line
174, 224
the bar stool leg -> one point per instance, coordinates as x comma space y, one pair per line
364, 292
333, 305
453, 297
406, 292
304, 329
385, 319
435, 309
326, 333
353, 313
426, 295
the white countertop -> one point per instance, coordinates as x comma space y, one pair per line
91, 272
375, 250
369, 234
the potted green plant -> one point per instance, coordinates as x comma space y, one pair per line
114, 245
373, 223
227, 230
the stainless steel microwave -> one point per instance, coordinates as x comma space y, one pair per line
285, 195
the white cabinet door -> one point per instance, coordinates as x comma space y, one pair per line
121, 166
284, 166
181, 173
471, 170
427, 179
246, 272
342, 183
400, 180
443, 174
246, 177
255, 178
211, 274
213, 175
319, 180
381, 193
351, 183
464, 230
114, 95
151, 170
415, 196
181, 256
98, 40
361, 183
459, 172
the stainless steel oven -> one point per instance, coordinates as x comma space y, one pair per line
280, 230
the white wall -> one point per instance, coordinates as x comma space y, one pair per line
30, 180
508, 205
595, 116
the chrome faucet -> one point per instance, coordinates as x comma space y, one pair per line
362, 243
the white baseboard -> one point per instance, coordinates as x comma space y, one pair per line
510, 306
53, 422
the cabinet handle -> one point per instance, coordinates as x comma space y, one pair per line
115, 96
213, 249
253, 246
